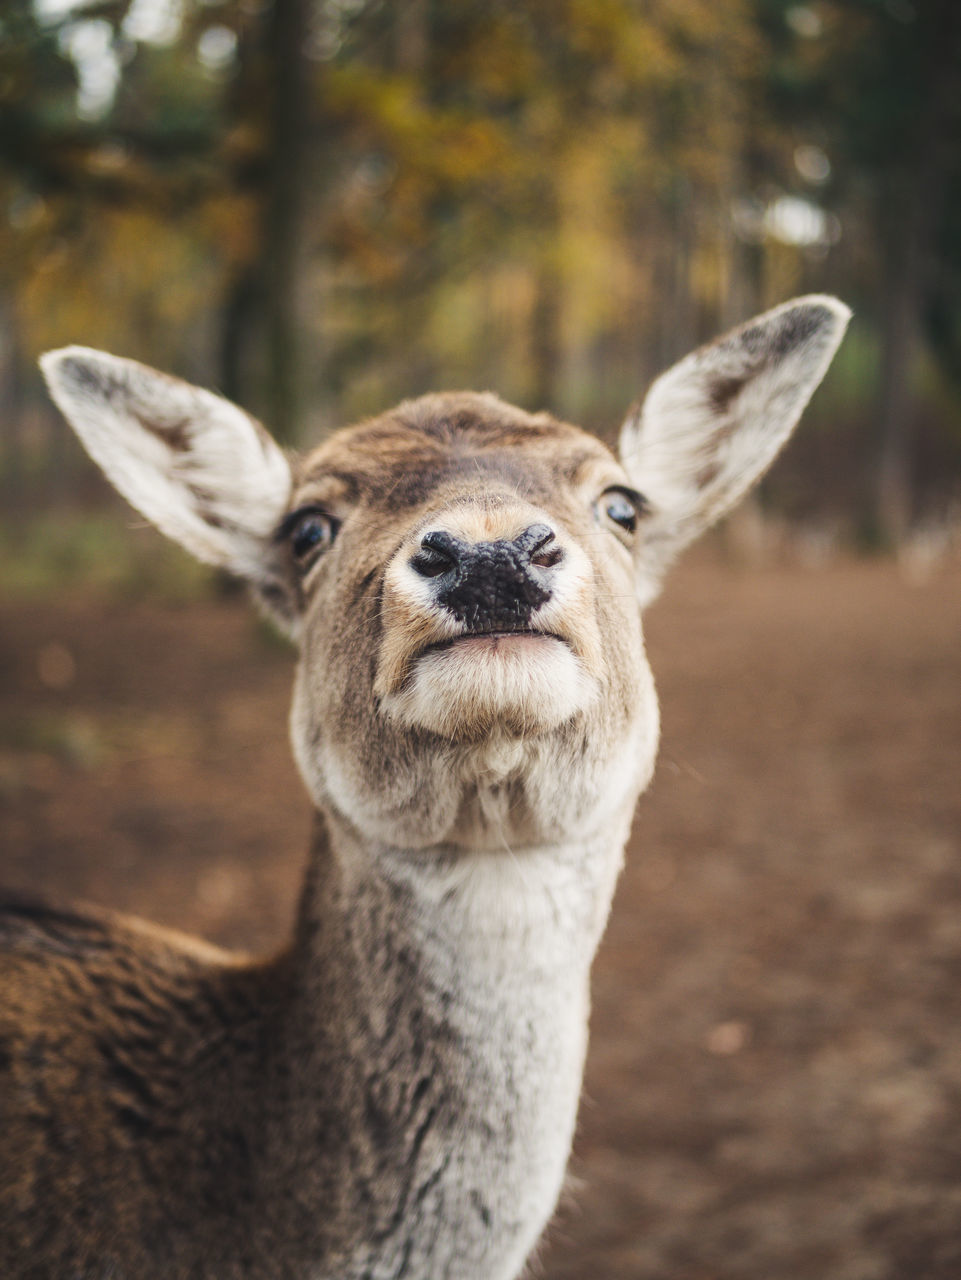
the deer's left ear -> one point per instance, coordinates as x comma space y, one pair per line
711, 426
197, 466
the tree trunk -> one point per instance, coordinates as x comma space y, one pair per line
912, 204
411, 36
288, 78
896, 411
12, 468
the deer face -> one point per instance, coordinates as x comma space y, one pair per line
464, 579
464, 575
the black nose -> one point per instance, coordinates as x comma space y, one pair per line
490, 586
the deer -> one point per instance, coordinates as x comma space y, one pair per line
394, 1093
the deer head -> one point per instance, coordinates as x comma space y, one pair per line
464, 579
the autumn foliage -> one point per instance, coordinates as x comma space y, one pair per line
322, 206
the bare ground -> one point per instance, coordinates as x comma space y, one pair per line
774, 1083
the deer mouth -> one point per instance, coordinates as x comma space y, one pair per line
494, 639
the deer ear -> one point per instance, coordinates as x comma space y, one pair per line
711, 426
198, 467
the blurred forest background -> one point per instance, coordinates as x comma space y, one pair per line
321, 206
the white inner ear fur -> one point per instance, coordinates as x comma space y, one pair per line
713, 424
195, 465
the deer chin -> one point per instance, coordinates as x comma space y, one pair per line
474, 685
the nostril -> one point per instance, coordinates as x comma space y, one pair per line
539, 541
439, 553
430, 564
547, 557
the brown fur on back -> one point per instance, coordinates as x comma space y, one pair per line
131, 1079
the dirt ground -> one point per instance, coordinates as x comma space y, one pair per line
774, 1083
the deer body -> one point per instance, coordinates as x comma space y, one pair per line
447, 1109
230, 1140
394, 1095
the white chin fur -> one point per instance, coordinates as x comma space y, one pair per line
517, 683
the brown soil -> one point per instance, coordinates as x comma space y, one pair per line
774, 1084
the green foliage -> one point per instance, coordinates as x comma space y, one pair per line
109, 552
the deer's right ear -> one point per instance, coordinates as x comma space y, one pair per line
195, 465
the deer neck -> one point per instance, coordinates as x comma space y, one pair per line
473, 918
442, 1011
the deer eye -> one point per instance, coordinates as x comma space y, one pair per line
622, 507
310, 532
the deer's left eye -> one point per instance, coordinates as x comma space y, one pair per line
622, 507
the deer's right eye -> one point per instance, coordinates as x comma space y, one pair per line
310, 533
